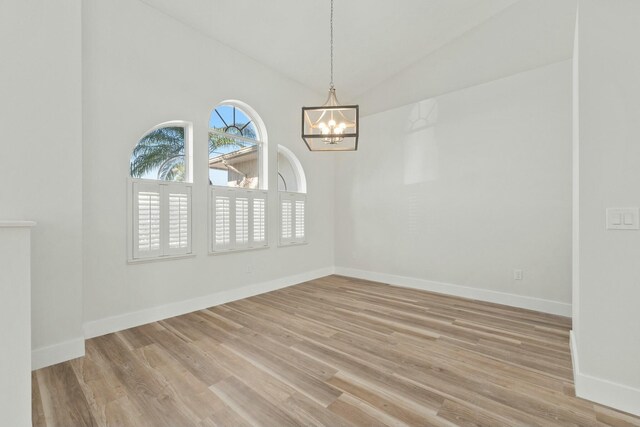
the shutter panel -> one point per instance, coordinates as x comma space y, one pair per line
299, 232
292, 218
179, 219
222, 222
259, 221
146, 220
285, 221
161, 220
238, 219
242, 222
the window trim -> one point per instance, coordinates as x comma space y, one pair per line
262, 141
294, 196
298, 170
188, 183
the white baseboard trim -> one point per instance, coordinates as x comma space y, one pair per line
57, 353
129, 320
605, 392
521, 301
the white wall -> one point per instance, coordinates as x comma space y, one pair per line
142, 68
41, 157
15, 323
465, 187
608, 329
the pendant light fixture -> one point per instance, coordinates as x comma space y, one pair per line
331, 127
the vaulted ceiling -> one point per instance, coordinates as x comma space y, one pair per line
374, 40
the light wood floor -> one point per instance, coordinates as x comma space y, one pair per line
331, 352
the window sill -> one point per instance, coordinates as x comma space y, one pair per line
286, 245
160, 258
235, 251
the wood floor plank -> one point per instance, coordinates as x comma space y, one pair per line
63, 403
38, 417
393, 409
258, 410
145, 390
467, 416
311, 414
332, 352
345, 408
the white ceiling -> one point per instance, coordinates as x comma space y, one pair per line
374, 40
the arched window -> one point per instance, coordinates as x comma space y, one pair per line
292, 189
237, 147
160, 187
291, 176
238, 178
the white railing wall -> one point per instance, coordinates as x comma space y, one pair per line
15, 323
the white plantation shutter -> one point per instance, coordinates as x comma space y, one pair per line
146, 223
299, 220
259, 220
222, 221
286, 214
242, 222
238, 219
179, 219
292, 218
161, 221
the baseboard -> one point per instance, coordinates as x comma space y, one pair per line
129, 320
604, 392
57, 353
521, 301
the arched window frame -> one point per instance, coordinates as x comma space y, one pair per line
173, 205
298, 171
238, 217
262, 139
292, 205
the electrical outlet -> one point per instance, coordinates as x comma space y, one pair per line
517, 274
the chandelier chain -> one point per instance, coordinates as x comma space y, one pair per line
331, 25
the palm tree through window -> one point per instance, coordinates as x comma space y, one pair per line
160, 155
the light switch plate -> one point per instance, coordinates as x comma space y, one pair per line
623, 219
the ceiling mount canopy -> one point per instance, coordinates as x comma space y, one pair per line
331, 126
